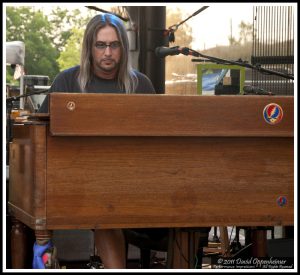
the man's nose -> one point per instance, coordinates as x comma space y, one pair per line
107, 51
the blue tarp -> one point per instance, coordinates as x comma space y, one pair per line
210, 80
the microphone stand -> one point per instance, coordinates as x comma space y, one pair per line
240, 63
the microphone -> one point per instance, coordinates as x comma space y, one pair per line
255, 91
165, 51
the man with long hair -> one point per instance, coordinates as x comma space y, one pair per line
105, 68
104, 65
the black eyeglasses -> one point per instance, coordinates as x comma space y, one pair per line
113, 45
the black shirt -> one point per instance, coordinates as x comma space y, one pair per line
67, 82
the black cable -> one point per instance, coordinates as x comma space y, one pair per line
194, 14
256, 67
101, 10
179, 247
171, 30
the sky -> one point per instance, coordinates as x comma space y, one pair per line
212, 26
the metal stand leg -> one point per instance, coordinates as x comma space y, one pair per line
215, 236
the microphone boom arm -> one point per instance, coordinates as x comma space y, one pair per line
243, 64
15, 98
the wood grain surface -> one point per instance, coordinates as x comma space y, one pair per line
166, 115
153, 161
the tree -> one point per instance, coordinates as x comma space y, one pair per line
69, 26
32, 28
246, 32
64, 22
45, 37
70, 56
183, 37
245, 35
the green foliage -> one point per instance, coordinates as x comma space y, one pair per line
70, 56
58, 18
9, 77
64, 22
52, 42
32, 28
